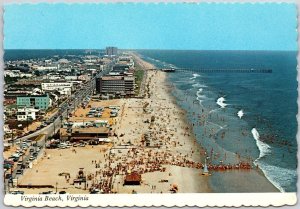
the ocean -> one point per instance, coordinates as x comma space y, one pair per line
239, 116
235, 116
25, 54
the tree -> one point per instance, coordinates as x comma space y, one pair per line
37, 73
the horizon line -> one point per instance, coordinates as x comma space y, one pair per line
290, 50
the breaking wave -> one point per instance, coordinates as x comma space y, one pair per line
221, 102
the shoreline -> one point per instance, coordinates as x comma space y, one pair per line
254, 174
182, 118
172, 98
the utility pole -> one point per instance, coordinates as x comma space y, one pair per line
5, 182
12, 137
53, 127
68, 114
26, 117
61, 120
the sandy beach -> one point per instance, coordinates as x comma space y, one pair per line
151, 137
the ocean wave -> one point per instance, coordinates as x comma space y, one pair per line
195, 75
221, 102
274, 174
264, 149
220, 127
172, 66
240, 114
198, 85
200, 90
200, 97
281, 178
214, 110
200, 102
199, 94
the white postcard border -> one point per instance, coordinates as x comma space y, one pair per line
146, 200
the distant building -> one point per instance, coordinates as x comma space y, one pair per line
111, 51
44, 67
9, 101
17, 74
117, 85
70, 78
126, 60
6, 128
41, 102
64, 88
29, 82
26, 114
84, 77
119, 68
52, 77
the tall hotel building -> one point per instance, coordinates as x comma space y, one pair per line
117, 85
111, 51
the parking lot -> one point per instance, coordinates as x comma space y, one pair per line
95, 110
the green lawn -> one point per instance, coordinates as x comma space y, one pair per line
139, 74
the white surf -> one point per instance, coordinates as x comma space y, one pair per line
221, 102
240, 114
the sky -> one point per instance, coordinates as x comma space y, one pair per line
205, 26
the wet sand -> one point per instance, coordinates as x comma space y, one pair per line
241, 182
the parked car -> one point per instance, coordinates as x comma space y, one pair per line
19, 172
8, 176
17, 192
47, 192
9, 161
15, 159
7, 166
95, 191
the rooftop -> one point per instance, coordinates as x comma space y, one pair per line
133, 177
30, 95
107, 78
90, 130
